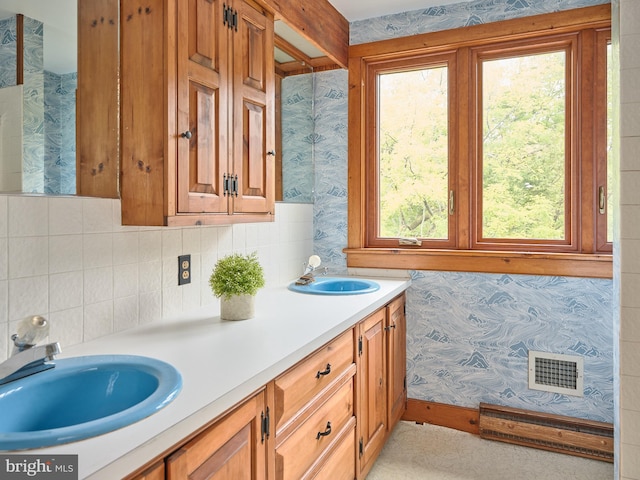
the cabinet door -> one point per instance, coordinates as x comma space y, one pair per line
254, 111
203, 110
232, 449
154, 472
372, 419
397, 358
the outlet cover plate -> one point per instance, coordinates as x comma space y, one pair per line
184, 269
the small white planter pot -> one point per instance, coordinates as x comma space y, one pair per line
237, 307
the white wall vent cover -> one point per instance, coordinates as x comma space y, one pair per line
552, 372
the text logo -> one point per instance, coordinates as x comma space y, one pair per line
49, 467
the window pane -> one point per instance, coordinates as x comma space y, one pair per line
413, 154
523, 147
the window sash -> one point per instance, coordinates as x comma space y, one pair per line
569, 45
602, 115
412, 63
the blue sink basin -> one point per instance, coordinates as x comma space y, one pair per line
83, 397
336, 286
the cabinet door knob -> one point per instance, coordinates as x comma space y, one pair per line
324, 372
271, 153
186, 135
325, 433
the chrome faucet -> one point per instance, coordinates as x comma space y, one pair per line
308, 276
27, 358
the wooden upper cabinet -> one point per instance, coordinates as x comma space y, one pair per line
254, 111
225, 112
97, 115
203, 92
190, 114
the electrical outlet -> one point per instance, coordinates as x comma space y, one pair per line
184, 269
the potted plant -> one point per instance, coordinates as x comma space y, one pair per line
236, 279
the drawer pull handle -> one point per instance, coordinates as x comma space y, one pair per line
325, 433
327, 371
388, 329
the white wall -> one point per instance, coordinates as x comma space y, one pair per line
69, 259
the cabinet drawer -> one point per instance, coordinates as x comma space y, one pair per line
315, 434
303, 382
341, 462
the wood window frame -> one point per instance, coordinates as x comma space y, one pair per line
590, 257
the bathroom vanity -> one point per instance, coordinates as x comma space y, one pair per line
309, 388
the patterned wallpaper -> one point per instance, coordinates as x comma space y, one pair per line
48, 133
468, 333
454, 16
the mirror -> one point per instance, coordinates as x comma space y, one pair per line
37, 111
37, 119
297, 123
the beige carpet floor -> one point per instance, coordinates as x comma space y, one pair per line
429, 452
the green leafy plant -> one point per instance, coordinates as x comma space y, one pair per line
237, 274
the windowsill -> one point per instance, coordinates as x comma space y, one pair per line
560, 264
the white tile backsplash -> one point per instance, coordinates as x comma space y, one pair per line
98, 285
97, 250
69, 259
65, 216
98, 320
125, 248
125, 313
628, 438
3, 217
125, 280
28, 256
630, 153
150, 307
28, 296
171, 243
150, 276
630, 19
67, 326
65, 253
28, 216
149, 245
4, 258
65, 291
97, 215
191, 240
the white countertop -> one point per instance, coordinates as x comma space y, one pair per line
221, 363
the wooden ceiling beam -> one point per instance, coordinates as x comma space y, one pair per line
319, 22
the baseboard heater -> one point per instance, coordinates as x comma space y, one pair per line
557, 433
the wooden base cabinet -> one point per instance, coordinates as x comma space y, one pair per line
382, 393
396, 330
372, 389
314, 416
325, 418
235, 447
